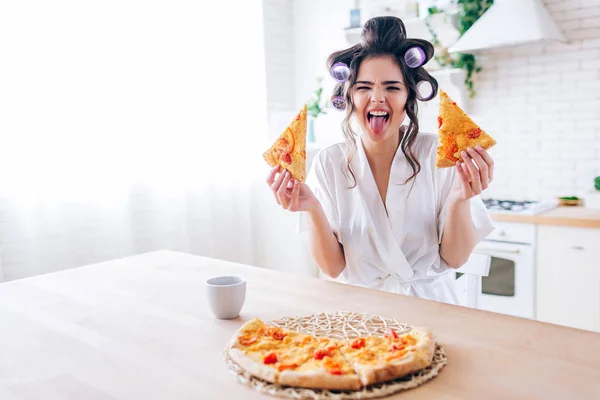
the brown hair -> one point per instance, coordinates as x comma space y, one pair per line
384, 36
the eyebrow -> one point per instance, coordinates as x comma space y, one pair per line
385, 82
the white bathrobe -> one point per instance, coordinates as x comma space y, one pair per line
398, 252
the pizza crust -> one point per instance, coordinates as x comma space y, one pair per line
370, 374
255, 368
237, 353
419, 356
249, 326
425, 348
320, 379
441, 160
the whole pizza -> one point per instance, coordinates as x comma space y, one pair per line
292, 358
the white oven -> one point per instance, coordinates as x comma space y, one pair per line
510, 286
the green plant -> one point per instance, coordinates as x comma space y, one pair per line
469, 12
314, 107
597, 182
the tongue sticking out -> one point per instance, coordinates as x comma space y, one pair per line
377, 124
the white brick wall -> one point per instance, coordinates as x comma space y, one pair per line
279, 49
543, 102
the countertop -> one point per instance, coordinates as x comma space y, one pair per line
140, 328
575, 216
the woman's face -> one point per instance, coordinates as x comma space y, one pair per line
379, 98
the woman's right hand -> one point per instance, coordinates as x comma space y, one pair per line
290, 193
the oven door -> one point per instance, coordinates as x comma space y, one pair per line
510, 286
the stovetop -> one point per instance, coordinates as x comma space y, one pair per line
517, 206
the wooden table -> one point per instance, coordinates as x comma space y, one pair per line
140, 328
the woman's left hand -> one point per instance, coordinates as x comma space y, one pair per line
475, 173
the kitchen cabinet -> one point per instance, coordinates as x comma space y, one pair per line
568, 276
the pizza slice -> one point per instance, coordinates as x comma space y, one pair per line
264, 351
457, 132
383, 358
325, 368
289, 150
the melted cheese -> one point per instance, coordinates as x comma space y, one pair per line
297, 351
379, 349
332, 359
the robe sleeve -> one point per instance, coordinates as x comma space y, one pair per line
479, 215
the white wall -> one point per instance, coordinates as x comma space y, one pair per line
279, 57
281, 246
280, 63
319, 31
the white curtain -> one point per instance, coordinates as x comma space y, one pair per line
128, 126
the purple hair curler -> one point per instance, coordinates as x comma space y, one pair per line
414, 57
338, 103
340, 72
424, 91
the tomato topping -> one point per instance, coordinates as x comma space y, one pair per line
283, 146
331, 349
275, 332
286, 158
286, 142
396, 346
450, 150
474, 133
288, 137
391, 334
332, 367
335, 371
247, 340
319, 354
358, 343
270, 358
283, 367
439, 122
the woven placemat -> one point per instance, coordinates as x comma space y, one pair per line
342, 325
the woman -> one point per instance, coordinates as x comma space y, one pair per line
381, 215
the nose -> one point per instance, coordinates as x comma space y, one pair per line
378, 96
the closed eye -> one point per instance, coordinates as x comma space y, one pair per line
363, 87
394, 88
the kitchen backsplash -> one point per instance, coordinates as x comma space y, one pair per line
541, 102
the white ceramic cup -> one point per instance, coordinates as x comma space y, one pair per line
226, 295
